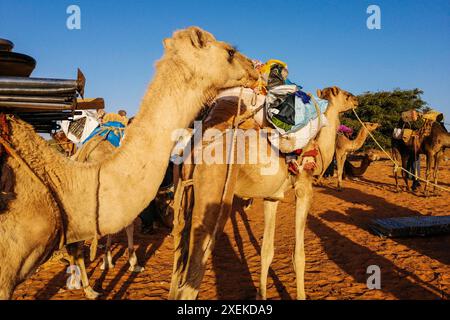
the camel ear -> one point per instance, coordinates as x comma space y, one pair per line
324, 94
200, 38
335, 91
168, 43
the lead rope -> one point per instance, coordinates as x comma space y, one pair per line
395, 163
230, 159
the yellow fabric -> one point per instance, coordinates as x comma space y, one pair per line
433, 115
410, 115
115, 117
265, 71
406, 137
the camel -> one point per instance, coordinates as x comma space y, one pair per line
344, 146
430, 144
96, 150
195, 230
60, 201
434, 146
352, 171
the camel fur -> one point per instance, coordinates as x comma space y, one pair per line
196, 227
345, 146
79, 201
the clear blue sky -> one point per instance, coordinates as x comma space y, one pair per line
324, 42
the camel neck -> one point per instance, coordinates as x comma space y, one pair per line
446, 140
131, 173
326, 139
360, 138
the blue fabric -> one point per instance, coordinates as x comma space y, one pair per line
290, 82
305, 112
302, 95
108, 129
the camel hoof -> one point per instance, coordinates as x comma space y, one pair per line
301, 297
91, 293
248, 204
106, 266
136, 269
260, 297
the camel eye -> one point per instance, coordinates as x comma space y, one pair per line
231, 53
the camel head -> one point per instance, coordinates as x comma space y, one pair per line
372, 156
203, 58
342, 99
371, 126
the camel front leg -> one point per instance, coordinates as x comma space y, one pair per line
267, 249
132, 259
107, 257
76, 256
340, 169
303, 193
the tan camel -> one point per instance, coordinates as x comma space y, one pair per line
353, 172
433, 146
81, 200
344, 146
195, 233
96, 150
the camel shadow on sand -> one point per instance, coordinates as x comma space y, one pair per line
143, 253
395, 278
227, 263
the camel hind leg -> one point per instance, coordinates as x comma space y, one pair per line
437, 160
132, 258
267, 248
204, 228
76, 254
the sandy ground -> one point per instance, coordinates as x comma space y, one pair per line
339, 248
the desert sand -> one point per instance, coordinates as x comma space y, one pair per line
339, 248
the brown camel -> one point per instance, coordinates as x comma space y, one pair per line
402, 152
65, 201
434, 146
195, 233
353, 172
344, 146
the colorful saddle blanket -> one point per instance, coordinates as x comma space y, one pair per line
112, 131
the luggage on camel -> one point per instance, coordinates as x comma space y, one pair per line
433, 115
112, 129
82, 125
296, 115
